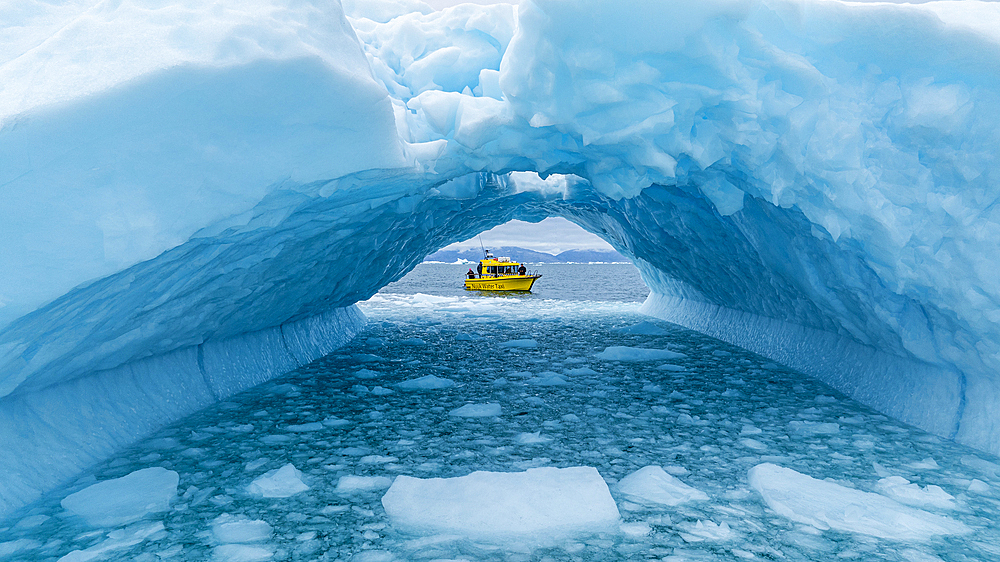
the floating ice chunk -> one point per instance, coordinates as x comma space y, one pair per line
306, 427
350, 484
643, 329
381, 391
124, 500
11, 548
548, 378
468, 337
669, 367
535, 438
914, 555
412, 342
901, 490
806, 428
31, 521
572, 418
581, 371
926, 464
652, 486
377, 459
978, 486
374, 556
826, 505
751, 430
429, 382
701, 531
334, 421
241, 553
623, 353
523, 344
824, 399
117, 540
985, 467
753, 444
278, 483
228, 528
476, 411
366, 374
543, 505
635, 529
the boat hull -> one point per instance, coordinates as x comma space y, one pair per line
503, 283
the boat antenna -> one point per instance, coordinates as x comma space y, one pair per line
481, 244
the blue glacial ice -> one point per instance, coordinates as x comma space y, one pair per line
194, 197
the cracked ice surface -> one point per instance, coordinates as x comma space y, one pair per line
706, 419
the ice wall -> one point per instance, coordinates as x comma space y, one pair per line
815, 181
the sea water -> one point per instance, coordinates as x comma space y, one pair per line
443, 386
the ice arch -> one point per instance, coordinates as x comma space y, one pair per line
194, 197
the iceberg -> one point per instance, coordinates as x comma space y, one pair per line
194, 199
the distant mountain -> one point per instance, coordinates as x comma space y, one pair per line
529, 256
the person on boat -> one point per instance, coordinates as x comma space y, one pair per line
471, 274
479, 269
522, 270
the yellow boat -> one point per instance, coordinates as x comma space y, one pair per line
500, 274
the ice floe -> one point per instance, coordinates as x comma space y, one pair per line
625, 353
427, 382
540, 505
826, 505
126, 499
476, 411
651, 485
278, 483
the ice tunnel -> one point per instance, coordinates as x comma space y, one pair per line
195, 196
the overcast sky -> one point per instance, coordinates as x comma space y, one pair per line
552, 235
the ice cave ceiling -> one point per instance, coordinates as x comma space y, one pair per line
194, 198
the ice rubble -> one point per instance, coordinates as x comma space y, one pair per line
543, 505
191, 195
